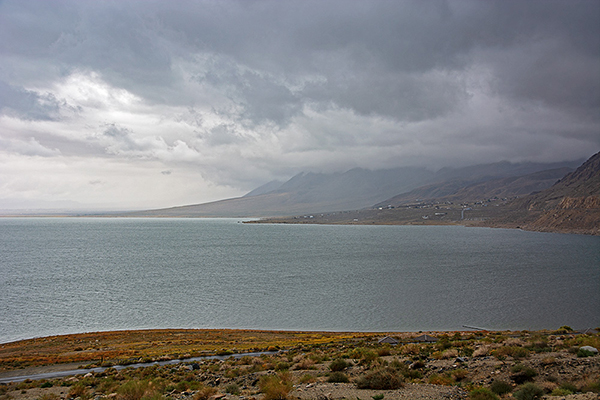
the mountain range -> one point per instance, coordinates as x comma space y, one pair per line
570, 205
361, 188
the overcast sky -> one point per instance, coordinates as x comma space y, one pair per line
143, 104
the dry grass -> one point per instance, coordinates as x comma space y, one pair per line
148, 345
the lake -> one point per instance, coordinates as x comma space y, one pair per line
69, 275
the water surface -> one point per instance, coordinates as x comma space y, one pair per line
66, 275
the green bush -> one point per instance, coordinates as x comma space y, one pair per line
338, 377
568, 386
593, 386
529, 391
585, 353
307, 378
521, 374
132, 390
282, 366
380, 379
482, 394
338, 365
78, 390
560, 392
510, 351
501, 387
233, 388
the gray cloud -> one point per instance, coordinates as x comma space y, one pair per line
236, 93
27, 104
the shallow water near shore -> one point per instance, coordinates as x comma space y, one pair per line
68, 275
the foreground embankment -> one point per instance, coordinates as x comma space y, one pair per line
305, 365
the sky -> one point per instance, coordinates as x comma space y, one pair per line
148, 104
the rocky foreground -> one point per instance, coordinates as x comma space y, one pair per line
454, 365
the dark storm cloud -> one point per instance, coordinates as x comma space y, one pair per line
243, 90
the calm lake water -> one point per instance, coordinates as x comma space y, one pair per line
66, 275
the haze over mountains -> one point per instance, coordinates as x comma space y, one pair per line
570, 205
361, 188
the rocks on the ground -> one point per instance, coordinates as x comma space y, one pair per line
589, 348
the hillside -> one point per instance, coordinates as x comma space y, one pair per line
570, 205
465, 191
351, 190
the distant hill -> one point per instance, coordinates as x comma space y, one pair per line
570, 205
458, 190
355, 189
307, 192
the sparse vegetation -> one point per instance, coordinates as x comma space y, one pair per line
338, 377
276, 387
482, 394
338, 365
501, 387
354, 361
380, 379
529, 391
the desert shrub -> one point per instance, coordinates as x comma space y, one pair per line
449, 353
437, 379
338, 365
585, 353
510, 351
307, 378
187, 385
282, 366
482, 351
338, 377
563, 329
108, 385
78, 390
412, 374
443, 343
548, 360
529, 391
49, 396
539, 345
383, 351
380, 379
411, 349
459, 374
482, 394
232, 388
467, 351
568, 386
367, 357
46, 385
397, 365
521, 374
275, 387
560, 392
501, 387
132, 390
305, 363
204, 393
592, 386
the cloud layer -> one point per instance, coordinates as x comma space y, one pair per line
152, 103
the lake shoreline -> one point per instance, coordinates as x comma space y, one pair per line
447, 364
